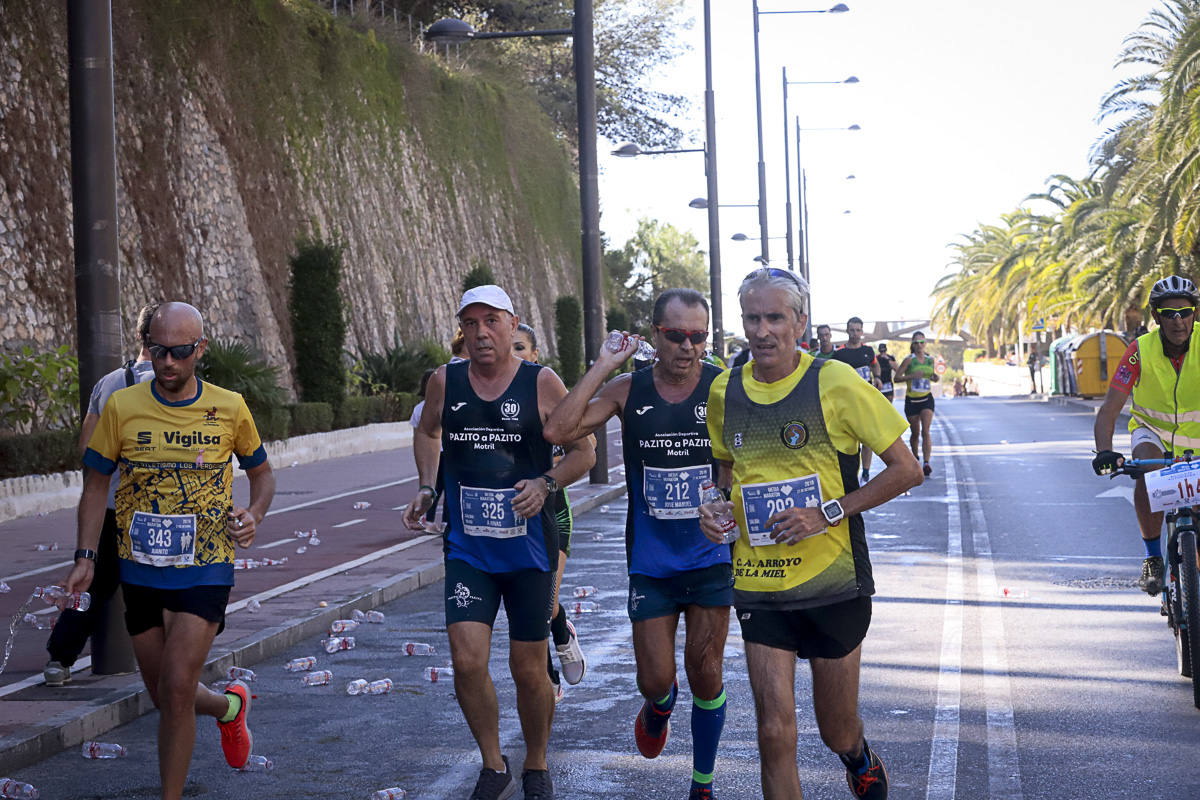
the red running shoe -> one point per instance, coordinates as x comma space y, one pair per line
236, 739
650, 746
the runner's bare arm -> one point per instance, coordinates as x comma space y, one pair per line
92, 504
1106, 417
243, 522
902, 371
583, 410
427, 449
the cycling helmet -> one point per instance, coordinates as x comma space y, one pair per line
1174, 286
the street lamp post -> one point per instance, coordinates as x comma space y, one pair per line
583, 48
710, 174
762, 168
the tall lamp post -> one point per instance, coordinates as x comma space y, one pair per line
583, 48
762, 167
787, 175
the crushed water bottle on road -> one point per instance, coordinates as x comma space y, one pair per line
381, 686
342, 626
375, 617
16, 790
336, 643
258, 764
361, 504
103, 750
394, 793
583, 607
300, 664
357, 686
585, 591
418, 649
242, 674
435, 674
319, 678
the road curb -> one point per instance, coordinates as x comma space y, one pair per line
128, 702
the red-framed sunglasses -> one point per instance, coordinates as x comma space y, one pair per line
677, 335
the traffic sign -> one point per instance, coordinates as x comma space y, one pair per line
939, 366
1039, 324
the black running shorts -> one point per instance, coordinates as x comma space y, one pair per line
913, 408
831, 631
473, 595
144, 605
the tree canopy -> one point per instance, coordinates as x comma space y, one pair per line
658, 256
1086, 250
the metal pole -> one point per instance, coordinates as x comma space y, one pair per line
762, 167
97, 269
589, 205
787, 174
710, 172
805, 235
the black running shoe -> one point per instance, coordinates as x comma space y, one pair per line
872, 784
537, 786
1151, 581
494, 785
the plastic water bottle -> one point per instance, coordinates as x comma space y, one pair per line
357, 615
314, 540
301, 549
342, 626
34, 621
381, 686
584, 607
394, 793
300, 664
318, 678
418, 649
4, 588
585, 591
375, 617
258, 764
361, 504
253, 606
242, 674
615, 342
57, 596
357, 686
16, 789
103, 750
51, 546
709, 493
435, 674
645, 351
335, 643
597, 536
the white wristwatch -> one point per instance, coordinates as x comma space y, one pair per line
833, 512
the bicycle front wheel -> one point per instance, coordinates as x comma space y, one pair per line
1189, 590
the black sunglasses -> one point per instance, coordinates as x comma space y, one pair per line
1177, 313
178, 352
677, 335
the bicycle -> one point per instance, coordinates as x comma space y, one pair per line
1181, 589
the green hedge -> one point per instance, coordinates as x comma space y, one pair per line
274, 424
39, 453
405, 402
311, 418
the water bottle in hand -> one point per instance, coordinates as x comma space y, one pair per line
103, 750
319, 678
709, 494
645, 351
57, 596
615, 342
300, 664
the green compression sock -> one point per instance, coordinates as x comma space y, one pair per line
235, 705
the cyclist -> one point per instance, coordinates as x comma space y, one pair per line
918, 371
1162, 373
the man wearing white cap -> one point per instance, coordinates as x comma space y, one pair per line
486, 414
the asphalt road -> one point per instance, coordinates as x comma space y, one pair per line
1010, 656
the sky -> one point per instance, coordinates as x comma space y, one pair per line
966, 107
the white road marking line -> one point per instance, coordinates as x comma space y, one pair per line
1119, 491
38, 571
943, 749
348, 523
320, 500
277, 542
1004, 769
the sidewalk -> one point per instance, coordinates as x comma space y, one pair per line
37, 721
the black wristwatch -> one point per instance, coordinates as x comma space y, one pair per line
551, 484
82, 553
833, 512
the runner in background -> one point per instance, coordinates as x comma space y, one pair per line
918, 370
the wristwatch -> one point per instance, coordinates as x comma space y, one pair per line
81, 553
832, 510
551, 484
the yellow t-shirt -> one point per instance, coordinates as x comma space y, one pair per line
176, 479
796, 441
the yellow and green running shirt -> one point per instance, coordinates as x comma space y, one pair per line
795, 442
176, 480
920, 370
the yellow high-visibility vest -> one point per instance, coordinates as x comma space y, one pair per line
1165, 401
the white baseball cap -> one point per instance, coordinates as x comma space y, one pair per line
489, 295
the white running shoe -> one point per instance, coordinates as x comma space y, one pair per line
570, 657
